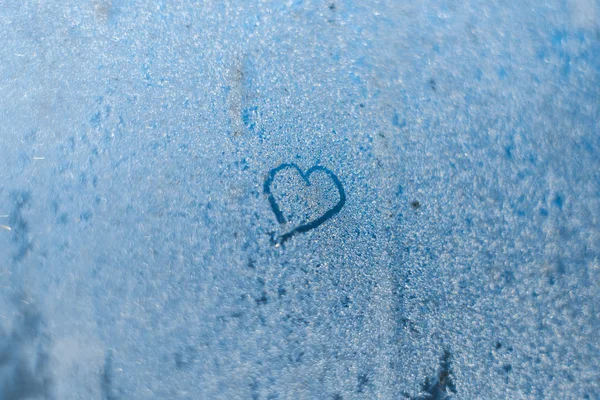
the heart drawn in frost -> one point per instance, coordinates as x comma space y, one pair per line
317, 221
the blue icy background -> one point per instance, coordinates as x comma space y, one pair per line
136, 259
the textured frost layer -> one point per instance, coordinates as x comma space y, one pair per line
138, 249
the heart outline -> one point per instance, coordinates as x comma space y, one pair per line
306, 177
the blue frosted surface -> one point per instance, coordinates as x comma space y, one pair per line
141, 256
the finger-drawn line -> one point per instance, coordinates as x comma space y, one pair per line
306, 177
